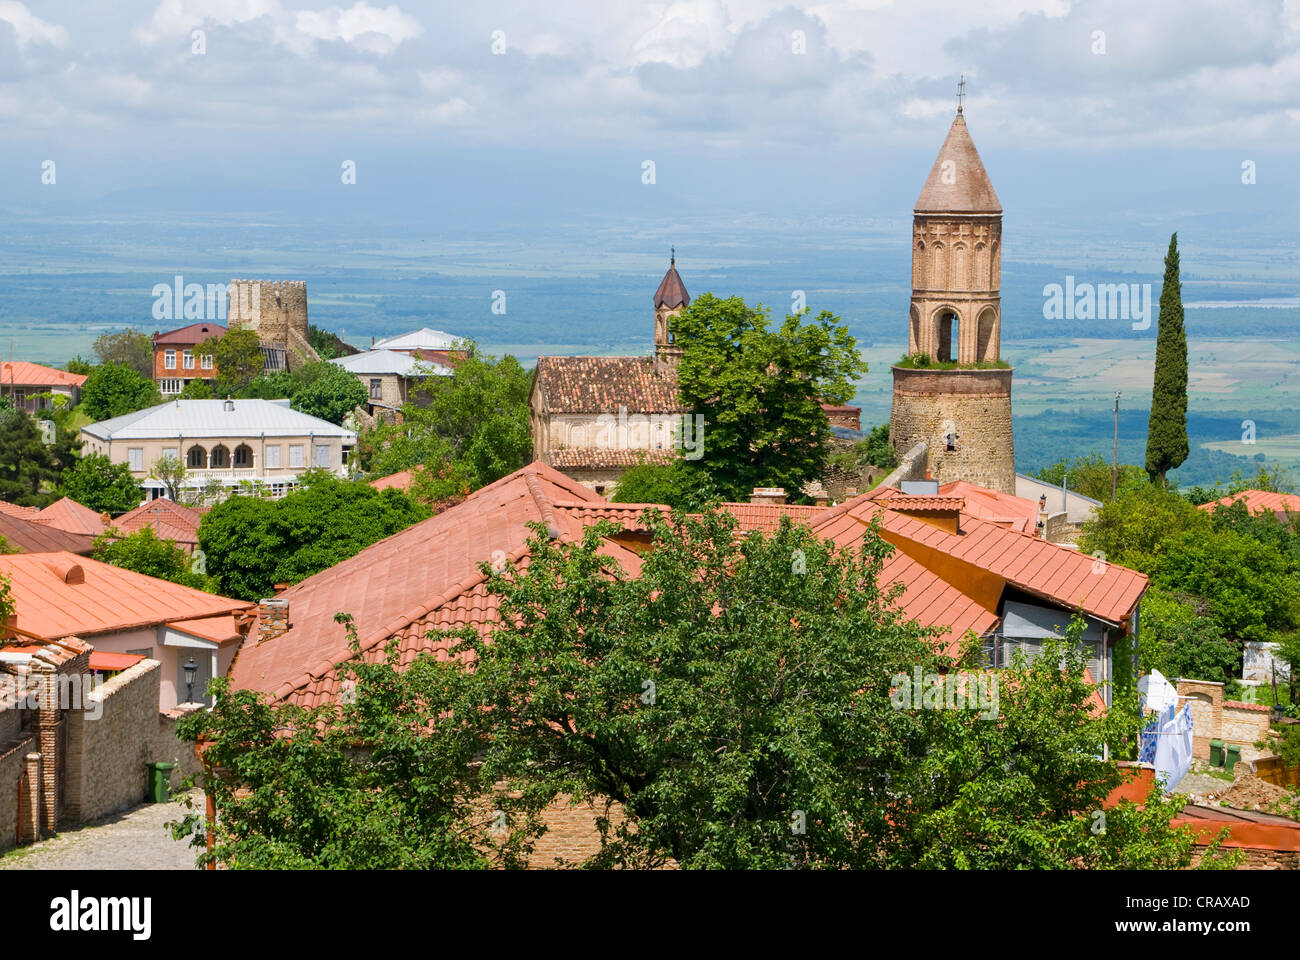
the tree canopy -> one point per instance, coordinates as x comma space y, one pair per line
252, 543
128, 347
97, 482
114, 389
237, 356
739, 704
332, 395
760, 391
28, 468
144, 552
1167, 445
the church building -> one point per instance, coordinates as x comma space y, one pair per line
952, 392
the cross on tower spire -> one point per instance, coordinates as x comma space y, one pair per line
672, 256
961, 92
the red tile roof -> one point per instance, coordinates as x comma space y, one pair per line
427, 573
1242, 705
22, 513
924, 504
1004, 509
23, 374
34, 536
220, 629
61, 594
970, 191
589, 458
1259, 501
602, 384
103, 660
67, 514
1059, 574
396, 481
193, 334
169, 520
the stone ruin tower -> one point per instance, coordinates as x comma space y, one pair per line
962, 413
277, 310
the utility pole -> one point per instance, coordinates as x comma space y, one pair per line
1114, 463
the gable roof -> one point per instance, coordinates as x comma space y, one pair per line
390, 361
193, 334
423, 339
401, 586
209, 418
20, 373
69, 515
59, 594
985, 551
1004, 509
603, 384
970, 190
169, 520
1258, 501
33, 536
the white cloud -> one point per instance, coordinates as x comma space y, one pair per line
30, 28
374, 29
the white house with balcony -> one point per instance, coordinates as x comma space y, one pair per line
236, 443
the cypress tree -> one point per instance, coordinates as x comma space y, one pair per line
1167, 429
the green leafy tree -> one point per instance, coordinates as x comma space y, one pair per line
406, 801
79, 365
669, 483
331, 396
28, 468
6, 596
876, 449
1179, 642
144, 552
1135, 528
1247, 586
476, 422
114, 389
1167, 446
197, 389
760, 391
329, 346
97, 482
128, 347
1090, 475
252, 543
237, 356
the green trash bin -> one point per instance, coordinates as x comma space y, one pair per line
1216, 753
160, 782
1234, 754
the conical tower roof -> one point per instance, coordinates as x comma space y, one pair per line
970, 190
672, 292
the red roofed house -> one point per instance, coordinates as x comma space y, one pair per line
1281, 505
67, 514
60, 595
175, 362
27, 383
169, 520
23, 529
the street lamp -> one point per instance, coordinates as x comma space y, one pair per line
190, 668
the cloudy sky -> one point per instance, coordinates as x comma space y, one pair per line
128, 96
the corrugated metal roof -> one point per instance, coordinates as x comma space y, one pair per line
209, 418
390, 361
423, 339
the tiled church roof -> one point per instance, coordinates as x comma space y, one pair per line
602, 384
672, 292
587, 458
958, 182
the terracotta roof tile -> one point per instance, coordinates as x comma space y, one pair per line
60, 594
672, 291
33, 536
589, 458
1259, 501
67, 514
193, 334
23, 374
603, 384
169, 520
958, 182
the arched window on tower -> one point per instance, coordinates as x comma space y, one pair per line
949, 333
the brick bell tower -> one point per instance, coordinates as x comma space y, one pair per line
670, 299
950, 394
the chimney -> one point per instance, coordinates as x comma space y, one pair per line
1042, 517
272, 619
772, 495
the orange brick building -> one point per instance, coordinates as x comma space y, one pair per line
175, 360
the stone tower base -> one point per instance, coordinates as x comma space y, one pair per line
968, 410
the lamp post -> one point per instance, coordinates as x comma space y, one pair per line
190, 668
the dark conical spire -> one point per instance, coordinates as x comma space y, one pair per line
958, 182
672, 292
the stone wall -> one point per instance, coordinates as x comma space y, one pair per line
1214, 718
972, 405
106, 756
13, 758
277, 310
911, 466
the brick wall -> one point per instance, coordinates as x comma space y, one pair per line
106, 756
